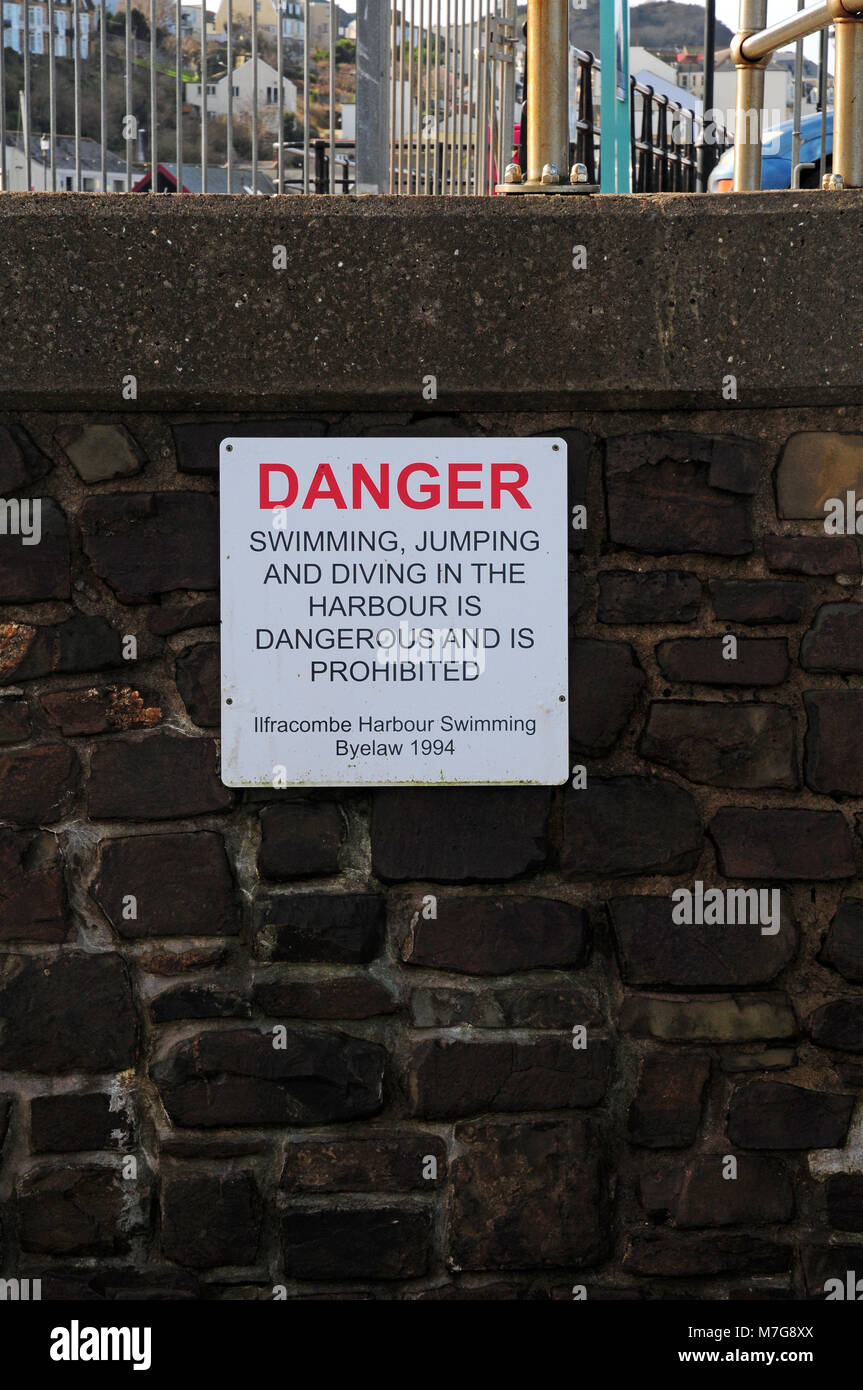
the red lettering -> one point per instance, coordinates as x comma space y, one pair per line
380, 495
265, 470
318, 493
513, 487
457, 483
431, 491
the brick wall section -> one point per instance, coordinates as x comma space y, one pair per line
429, 1130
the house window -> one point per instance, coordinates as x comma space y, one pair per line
211, 90
36, 42
236, 91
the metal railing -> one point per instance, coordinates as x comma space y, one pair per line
666, 136
451, 95
172, 95
751, 49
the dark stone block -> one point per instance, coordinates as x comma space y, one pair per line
454, 834
21, 463
221, 1079
679, 1254
605, 681
495, 936
812, 554
385, 1161
834, 642
699, 661
70, 1013
181, 884
839, 1023
156, 778
758, 601
844, 1193
78, 644
539, 1007
38, 785
528, 1195
211, 1219
198, 681
335, 928
92, 711
775, 1115
630, 825
342, 997
81, 1211
843, 944
179, 612
32, 573
455, 1078
653, 950
198, 1001
746, 745
332, 1243
782, 843
666, 1110
760, 1195
300, 839
652, 596
679, 493
15, 726
72, 1123
197, 443
833, 760
32, 893
143, 544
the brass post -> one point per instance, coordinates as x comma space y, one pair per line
848, 100
547, 89
750, 98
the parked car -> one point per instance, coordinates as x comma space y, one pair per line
776, 156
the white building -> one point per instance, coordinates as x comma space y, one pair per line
243, 82
39, 29
775, 94
39, 180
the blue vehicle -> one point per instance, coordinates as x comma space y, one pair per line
776, 156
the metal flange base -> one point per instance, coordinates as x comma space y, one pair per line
546, 188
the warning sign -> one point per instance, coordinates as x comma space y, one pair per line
394, 612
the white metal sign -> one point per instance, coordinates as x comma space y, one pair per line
394, 612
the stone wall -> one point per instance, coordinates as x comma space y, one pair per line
430, 1130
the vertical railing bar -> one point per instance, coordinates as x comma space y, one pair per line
445, 172
482, 87
473, 131
254, 96
391, 71
410, 139
25, 116
103, 107
436, 120
306, 85
204, 133
128, 96
154, 154
178, 93
3, 165
280, 58
400, 152
459, 71
427, 41
456, 94
229, 51
332, 83
77, 92
52, 102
